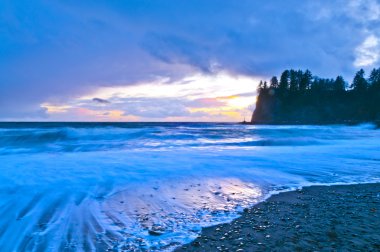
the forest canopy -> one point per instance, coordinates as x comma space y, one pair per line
298, 97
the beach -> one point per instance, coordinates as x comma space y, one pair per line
316, 218
154, 186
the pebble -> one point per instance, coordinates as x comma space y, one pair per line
155, 233
196, 244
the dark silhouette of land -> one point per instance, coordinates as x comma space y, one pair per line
298, 97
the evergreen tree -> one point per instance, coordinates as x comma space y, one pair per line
293, 85
374, 79
374, 94
329, 85
306, 79
339, 84
284, 80
316, 84
265, 86
359, 83
260, 87
274, 82
318, 100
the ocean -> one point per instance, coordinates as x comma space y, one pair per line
153, 186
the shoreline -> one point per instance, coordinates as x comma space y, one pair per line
317, 217
280, 123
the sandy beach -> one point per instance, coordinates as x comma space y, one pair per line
316, 218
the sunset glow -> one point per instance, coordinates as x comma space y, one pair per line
221, 97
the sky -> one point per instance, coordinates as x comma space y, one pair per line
170, 60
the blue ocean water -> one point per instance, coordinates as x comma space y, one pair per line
152, 186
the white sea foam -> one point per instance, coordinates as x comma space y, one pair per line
94, 186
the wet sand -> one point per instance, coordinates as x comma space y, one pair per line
316, 218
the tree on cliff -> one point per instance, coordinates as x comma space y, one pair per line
300, 97
359, 83
294, 80
306, 79
339, 84
274, 82
284, 80
374, 79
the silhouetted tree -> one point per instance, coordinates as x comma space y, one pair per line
293, 84
300, 97
374, 79
284, 80
319, 84
265, 86
359, 83
306, 79
374, 94
274, 82
260, 87
339, 84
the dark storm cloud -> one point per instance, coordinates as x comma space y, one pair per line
54, 50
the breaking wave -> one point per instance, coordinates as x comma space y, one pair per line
152, 186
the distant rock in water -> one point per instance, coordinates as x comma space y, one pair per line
301, 98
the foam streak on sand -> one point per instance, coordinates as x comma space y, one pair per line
139, 186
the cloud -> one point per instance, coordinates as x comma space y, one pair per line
364, 10
368, 53
195, 98
151, 107
56, 51
205, 102
101, 101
